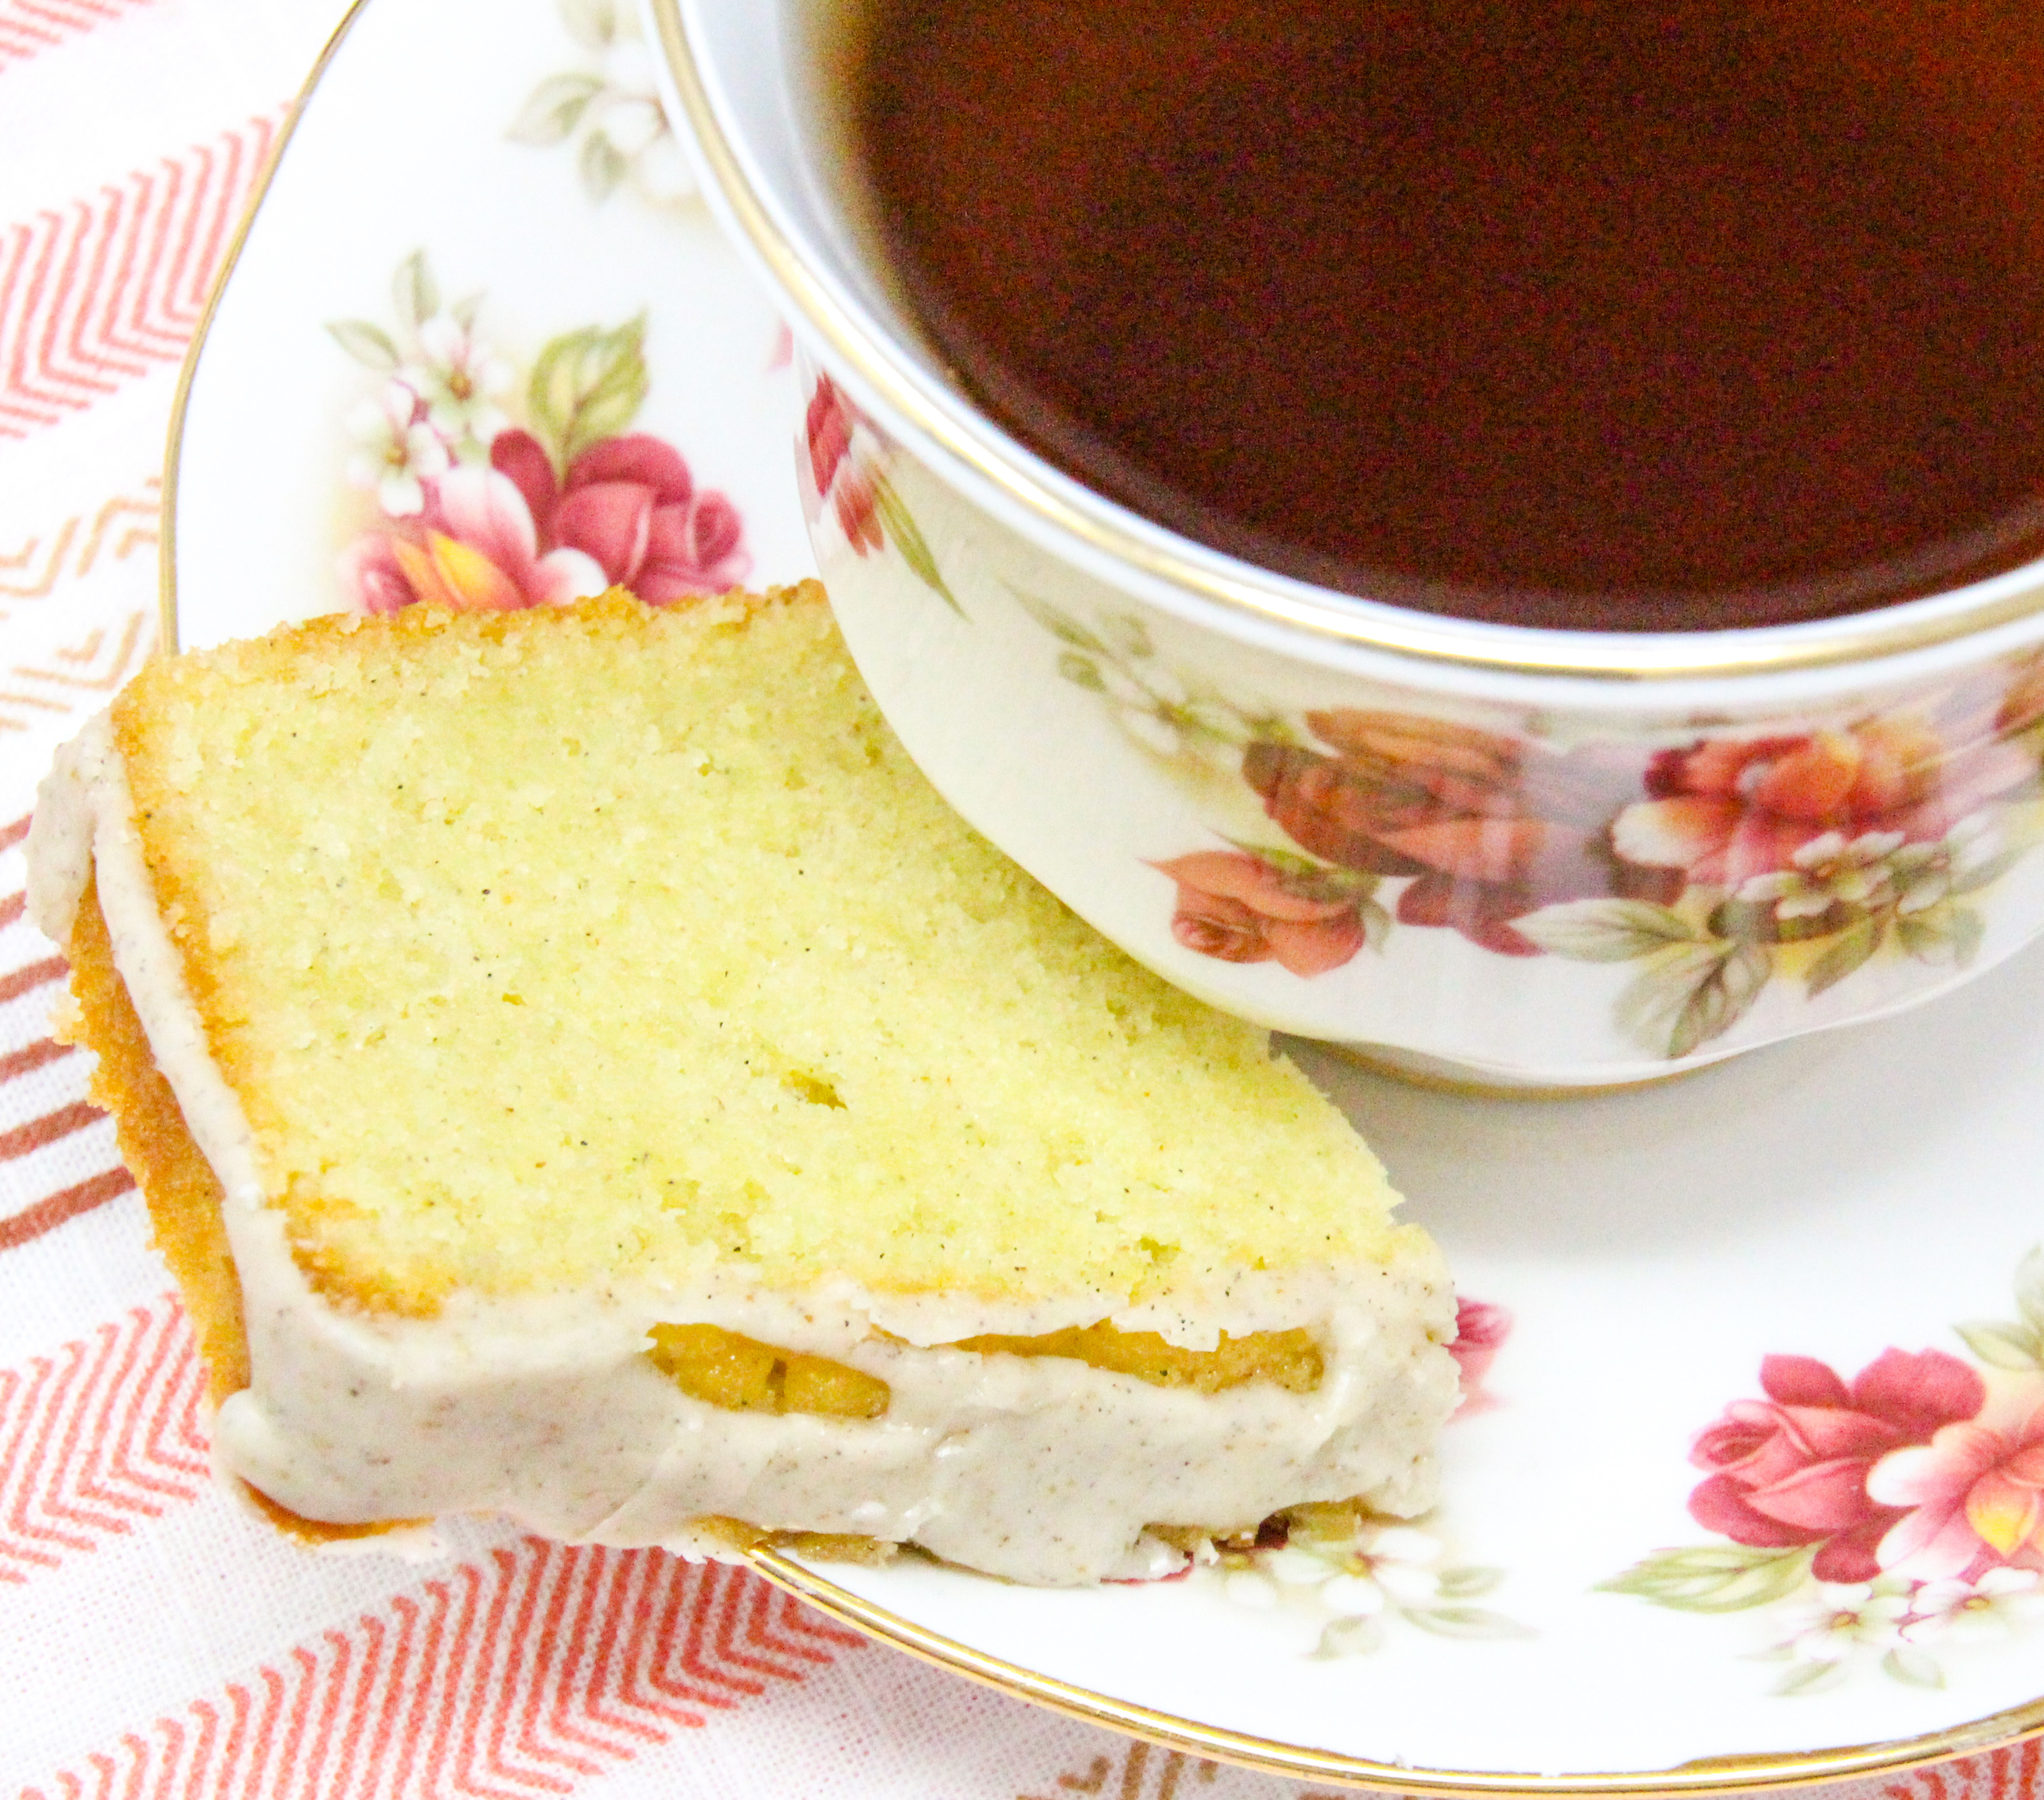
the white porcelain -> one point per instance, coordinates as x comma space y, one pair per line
1535, 857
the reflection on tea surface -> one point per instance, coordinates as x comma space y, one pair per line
1570, 313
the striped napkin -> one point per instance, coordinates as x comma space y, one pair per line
153, 1640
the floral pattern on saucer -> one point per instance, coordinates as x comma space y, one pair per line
1889, 1518
1714, 866
1352, 1573
476, 509
1355, 1574
609, 109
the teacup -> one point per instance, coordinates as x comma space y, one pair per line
1515, 856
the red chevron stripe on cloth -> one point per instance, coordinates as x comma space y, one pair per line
56, 1124
30, 976
29, 26
522, 1673
96, 294
104, 1433
32, 1056
2016, 1773
52, 1126
63, 1206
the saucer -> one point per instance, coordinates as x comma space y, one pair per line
1748, 1488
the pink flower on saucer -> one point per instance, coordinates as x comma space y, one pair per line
1792, 1469
1480, 1330
630, 504
1974, 1493
477, 551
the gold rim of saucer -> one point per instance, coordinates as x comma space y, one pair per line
181, 398
1700, 1780
1724, 1775
1099, 528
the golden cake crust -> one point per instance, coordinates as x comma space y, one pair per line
182, 1193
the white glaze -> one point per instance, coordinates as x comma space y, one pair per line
545, 1408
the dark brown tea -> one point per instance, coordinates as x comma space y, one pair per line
1632, 315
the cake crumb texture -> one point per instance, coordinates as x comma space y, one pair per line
568, 947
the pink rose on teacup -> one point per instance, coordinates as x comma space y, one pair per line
1493, 827
1729, 812
1239, 909
839, 478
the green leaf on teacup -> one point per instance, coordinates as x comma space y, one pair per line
1987, 874
1688, 993
901, 526
1759, 922
1968, 931
1941, 934
1855, 944
1924, 936
1715, 1577
1307, 878
1060, 625
1605, 930
1082, 672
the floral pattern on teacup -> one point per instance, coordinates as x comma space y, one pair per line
1715, 865
1891, 1518
493, 491
842, 467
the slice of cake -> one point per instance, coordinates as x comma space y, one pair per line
579, 1069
